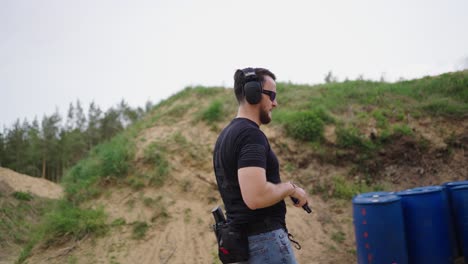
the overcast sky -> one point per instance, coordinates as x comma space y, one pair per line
55, 52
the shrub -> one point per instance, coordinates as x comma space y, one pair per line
351, 138
115, 157
346, 190
80, 181
213, 113
306, 126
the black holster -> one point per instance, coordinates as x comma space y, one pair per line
233, 245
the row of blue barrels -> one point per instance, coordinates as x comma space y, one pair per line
424, 225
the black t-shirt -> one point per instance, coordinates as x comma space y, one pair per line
242, 144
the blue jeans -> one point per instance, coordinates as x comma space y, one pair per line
272, 247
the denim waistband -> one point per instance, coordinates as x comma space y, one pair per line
263, 226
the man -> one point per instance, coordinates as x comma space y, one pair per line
247, 172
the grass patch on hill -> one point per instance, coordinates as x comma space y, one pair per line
156, 156
110, 159
65, 221
444, 95
18, 213
68, 219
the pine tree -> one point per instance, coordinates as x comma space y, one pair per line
32, 154
50, 146
2, 149
93, 131
110, 124
70, 117
15, 146
80, 118
125, 113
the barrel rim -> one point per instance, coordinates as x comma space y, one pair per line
376, 194
376, 200
421, 190
459, 187
455, 183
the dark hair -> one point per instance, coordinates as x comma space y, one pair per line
239, 81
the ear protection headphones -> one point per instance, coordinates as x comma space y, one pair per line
252, 87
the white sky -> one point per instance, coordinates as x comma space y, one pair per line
55, 52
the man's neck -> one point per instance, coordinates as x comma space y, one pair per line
249, 112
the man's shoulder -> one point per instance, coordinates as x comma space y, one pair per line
243, 127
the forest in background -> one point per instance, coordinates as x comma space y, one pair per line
48, 147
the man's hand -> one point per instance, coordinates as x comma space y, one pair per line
299, 194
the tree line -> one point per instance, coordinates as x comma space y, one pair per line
47, 148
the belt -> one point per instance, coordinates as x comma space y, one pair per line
263, 226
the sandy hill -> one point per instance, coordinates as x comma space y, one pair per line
169, 221
23, 183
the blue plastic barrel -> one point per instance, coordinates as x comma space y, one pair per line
460, 205
427, 223
448, 189
379, 229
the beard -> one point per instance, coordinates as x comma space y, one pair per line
265, 117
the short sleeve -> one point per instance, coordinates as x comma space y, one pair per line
253, 150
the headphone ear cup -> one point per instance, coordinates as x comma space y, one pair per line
253, 92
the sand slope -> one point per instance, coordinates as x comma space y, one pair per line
24, 183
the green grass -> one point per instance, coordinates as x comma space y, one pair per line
22, 196
307, 125
350, 137
64, 222
338, 187
118, 222
156, 155
139, 230
17, 218
338, 237
109, 159
381, 118
213, 113
69, 221
386, 103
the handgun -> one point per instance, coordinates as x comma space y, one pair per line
218, 216
305, 206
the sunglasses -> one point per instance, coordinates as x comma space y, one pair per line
271, 94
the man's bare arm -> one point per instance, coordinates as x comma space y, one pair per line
258, 193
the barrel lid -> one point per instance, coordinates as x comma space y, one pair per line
421, 190
375, 194
375, 199
455, 183
459, 187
